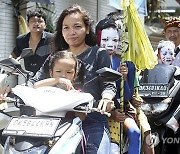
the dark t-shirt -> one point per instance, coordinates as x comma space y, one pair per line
34, 62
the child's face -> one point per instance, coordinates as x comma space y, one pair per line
109, 39
64, 68
167, 54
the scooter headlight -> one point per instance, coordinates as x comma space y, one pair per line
40, 150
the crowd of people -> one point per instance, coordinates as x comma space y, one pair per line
71, 56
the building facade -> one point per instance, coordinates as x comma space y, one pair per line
98, 9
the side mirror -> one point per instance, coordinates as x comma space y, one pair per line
9, 64
108, 75
12, 65
26, 52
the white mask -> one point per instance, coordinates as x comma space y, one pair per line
167, 55
109, 39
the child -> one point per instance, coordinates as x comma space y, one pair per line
108, 38
166, 55
63, 68
165, 52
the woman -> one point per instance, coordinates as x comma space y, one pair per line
74, 33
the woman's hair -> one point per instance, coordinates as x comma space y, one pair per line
59, 42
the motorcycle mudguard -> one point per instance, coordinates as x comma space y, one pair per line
54, 101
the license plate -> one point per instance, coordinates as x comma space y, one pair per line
154, 90
32, 126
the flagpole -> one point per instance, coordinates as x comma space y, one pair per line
122, 80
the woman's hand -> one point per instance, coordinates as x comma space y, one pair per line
123, 69
118, 115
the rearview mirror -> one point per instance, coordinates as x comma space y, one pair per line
9, 64
108, 75
26, 52
12, 64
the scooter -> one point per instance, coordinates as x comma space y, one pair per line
9, 76
159, 88
47, 131
44, 128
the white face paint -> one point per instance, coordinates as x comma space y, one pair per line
109, 39
167, 54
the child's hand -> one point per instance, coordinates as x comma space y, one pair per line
136, 102
118, 115
65, 84
4, 92
105, 105
123, 69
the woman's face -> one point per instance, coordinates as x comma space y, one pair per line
109, 39
74, 30
64, 68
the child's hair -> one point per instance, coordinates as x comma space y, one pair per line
163, 43
103, 24
79, 65
61, 55
36, 12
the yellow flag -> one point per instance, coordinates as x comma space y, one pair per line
140, 49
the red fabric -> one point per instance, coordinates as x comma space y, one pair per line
99, 37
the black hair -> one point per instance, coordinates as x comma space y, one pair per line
106, 23
59, 42
61, 55
79, 67
36, 12
103, 24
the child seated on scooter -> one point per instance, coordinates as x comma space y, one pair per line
166, 55
63, 69
165, 52
108, 37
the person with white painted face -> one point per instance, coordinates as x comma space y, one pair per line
165, 52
